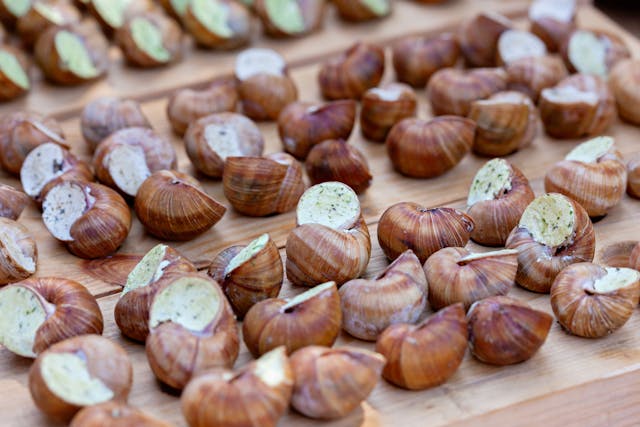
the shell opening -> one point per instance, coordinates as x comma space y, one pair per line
17, 7
492, 180
224, 140
569, 95
148, 37
588, 53
128, 168
286, 15
247, 253
10, 248
42, 164
50, 13
188, 301
11, 68
503, 98
148, 270
614, 279
560, 10
517, 44
214, 15
391, 92
259, 61
112, 11
332, 204
378, 7
550, 219
62, 207
74, 55
67, 376
180, 6
306, 296
592, 150
270, 368
21, 314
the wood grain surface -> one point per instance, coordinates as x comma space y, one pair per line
570, 381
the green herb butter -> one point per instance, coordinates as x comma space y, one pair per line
214, 15
12, 69
74, 55
286, 15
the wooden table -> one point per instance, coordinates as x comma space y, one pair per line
571, 381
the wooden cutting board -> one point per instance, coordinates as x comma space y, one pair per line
570, 381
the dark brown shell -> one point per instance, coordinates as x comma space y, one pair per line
578, 119
378, 115
172, 205
260, 186
335, 160
263, 96
416, 58
424, 355
350, 74
478, 38
103, 116
302, 125
504, 331
426, 149
407, 225
452, 90
188, 105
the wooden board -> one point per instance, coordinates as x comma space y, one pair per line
200, 65
571, 381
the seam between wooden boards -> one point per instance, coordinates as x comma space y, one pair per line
293, 64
